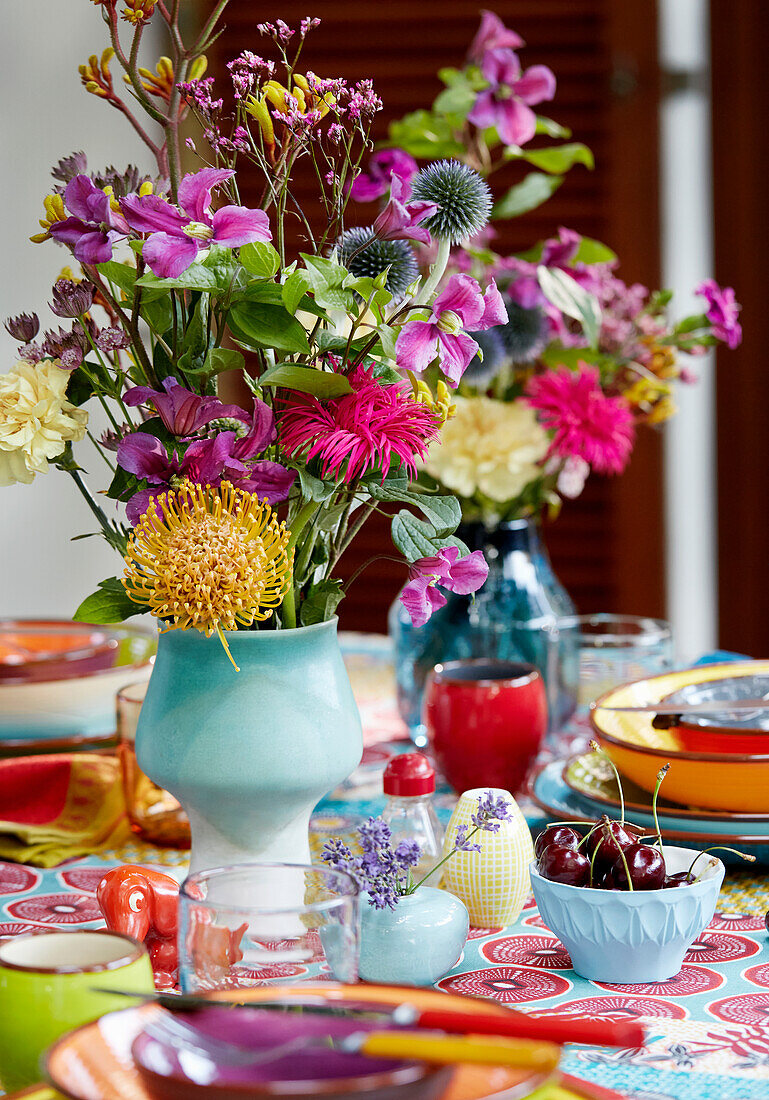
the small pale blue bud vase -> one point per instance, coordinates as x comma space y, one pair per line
416, 943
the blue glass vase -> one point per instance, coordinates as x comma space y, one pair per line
516, 616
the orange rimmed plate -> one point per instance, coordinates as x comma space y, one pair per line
712, 781
94, 1062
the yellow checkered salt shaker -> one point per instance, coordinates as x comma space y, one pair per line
493, 883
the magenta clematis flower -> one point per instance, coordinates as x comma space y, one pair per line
95, 227
722, 312
224, 457
400, 220
506, 103
177, 235
421, 596
383, 167
492, 35
182, 411
460, 305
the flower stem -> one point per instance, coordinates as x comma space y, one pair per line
436, 273
440, 863
302, 518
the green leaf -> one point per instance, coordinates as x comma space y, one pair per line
157, 311
197, 277
123, 485
531, 192
320, 383
109, 604
327, 281
313, 488
385, 373
551, 128
260, 259
294, 289
425, 134
442, 512
387, 338
593, 252
566, 294
556, 355
561, 157
218, 360
321, 602
269, 326
416, 538
455, 100
122, 275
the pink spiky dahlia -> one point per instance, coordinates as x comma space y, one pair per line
586, 422
360, 431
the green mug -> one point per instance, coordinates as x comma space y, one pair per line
49, 984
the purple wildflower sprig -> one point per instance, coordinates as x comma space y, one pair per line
492, 810
382, 870
386, 872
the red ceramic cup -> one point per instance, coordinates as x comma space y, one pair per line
485, 721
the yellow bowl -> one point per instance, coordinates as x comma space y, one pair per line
713, 781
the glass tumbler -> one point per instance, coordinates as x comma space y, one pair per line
154, 814
254, 923
616, 649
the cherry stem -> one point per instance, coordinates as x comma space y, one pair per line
597, 748
718, 848
624, 861
660, 776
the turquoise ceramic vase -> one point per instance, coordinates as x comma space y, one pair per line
249, 754
417, 942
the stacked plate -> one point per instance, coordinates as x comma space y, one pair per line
717, 788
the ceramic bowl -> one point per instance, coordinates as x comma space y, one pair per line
64, 695
736, 781
177, 1069
630, 937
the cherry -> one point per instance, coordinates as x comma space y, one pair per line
766, 921
565, 865
645, 865
556, 834
678, 878
606, 842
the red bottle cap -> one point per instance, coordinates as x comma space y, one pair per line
408, 774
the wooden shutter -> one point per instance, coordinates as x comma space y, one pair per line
606, 546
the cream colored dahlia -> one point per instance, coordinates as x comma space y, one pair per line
491, 447
36, 420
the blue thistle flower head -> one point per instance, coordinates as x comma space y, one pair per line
481, 370
376, 256
525, 334
462, 196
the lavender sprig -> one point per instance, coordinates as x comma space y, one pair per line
383, 871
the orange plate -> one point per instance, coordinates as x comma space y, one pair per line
711, 781
94, 1061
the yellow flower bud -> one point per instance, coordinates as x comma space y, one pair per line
146, 188
257, 108
277, 95
198, 67
54, 212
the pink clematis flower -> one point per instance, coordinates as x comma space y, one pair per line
400, 219
586, 423
420, 596
492, 35
182, 411
95, 228
722, 312
460, 305
177, 235
506, 103
383, 167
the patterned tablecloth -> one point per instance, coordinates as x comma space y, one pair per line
708, 1028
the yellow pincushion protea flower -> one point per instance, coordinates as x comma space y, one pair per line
207, 558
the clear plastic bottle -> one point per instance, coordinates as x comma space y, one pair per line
409, 784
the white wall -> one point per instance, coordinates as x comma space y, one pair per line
687, 258
46, 114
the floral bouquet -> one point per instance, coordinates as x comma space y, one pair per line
557, 389
235, 516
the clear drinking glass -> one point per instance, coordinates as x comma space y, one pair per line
615, 649
153, 814
254, 923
